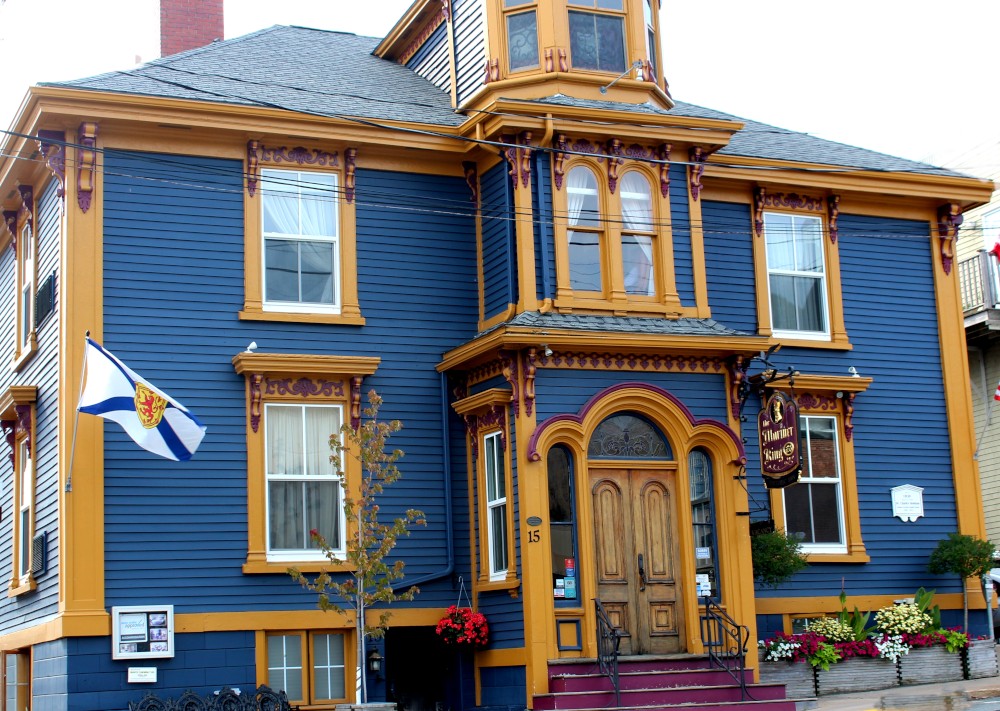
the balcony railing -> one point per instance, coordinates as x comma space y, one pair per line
980, 282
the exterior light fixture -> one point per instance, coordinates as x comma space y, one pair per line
374, 662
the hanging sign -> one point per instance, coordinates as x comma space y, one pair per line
778, 430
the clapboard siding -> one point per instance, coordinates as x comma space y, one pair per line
431, 61
901, 431
42, 371
732, 295
498, 241
178, 325
470, 47
680, 220
541, 213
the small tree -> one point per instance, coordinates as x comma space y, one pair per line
776, 558
368, 541
965, 556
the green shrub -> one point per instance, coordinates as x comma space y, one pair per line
776, 558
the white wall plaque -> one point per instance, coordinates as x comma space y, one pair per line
142, 675
907, 502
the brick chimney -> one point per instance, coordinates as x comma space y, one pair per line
189, 24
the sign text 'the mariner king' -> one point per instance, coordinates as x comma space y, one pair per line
778, 429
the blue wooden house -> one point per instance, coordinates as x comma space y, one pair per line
558, 277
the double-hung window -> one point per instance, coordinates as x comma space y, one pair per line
521, 22
308, 666
26, 240
301, 232
17, 680
304, 490
17, 416
796, 271
597, 35
25, 517
814, 507
586, 231
496, 504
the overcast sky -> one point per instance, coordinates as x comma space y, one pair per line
909, 78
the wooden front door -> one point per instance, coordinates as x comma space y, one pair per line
635, 529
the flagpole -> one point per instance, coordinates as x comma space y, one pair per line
76, 419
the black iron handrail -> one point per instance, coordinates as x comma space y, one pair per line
726, 642
608, 641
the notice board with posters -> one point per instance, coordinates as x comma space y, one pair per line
142, 632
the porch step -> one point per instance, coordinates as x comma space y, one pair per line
630, 680
727, 696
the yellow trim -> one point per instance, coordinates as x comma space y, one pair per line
957, 393
514, 657
613, 296
256, 366
853, 541
834, 299
483, 400
347, 258
81, 309
798, 606
701, 308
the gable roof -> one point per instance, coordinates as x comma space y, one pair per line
344, 79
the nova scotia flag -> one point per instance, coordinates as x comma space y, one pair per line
156, 422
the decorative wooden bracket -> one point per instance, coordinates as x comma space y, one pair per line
848, 401
738, 367
509, 361
664, 155
832, 212
255, 380
759, 196
446, 9
549, 61
10, 224
24, 414
356, 381
518, 157
615, 161
472, 179
492, 70
492, 418
258, 153
563, 62
53, 147
350, 165
949, 220
27, 208
698, 156
86, 162
253, 166
472, 428
559, 160
529, 381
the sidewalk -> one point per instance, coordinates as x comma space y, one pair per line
972, 695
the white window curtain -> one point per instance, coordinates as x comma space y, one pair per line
637, 250
299, 203
580, 184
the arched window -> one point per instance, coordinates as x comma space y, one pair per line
586, 230
706, 561
562, 524
628, 436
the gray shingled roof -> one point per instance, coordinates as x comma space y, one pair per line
309, 71
621, 324
760, 140
327, 73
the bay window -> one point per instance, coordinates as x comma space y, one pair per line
597, 35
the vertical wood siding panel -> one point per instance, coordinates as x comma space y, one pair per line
173, 288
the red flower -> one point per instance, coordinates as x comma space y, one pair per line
462, 627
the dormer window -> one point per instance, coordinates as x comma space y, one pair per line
522, 34
597, 39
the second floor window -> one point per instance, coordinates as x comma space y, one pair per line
522, 34
796, 275
496, 504
301, 241
26, 245
597, 35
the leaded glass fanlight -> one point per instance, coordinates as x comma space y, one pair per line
628, 436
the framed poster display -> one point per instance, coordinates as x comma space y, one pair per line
142, 632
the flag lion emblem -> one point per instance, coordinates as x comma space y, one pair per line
148, 406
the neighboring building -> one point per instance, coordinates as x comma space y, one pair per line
980, 282
557, 277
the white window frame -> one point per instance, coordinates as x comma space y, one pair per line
25, 515
302, 554
17, 680
838, 482
308, 671
302, 178
823, 278
495, 474
27, 315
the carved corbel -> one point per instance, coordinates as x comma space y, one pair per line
698, 156
759, 198
559, 160
10, 224
446, 10
27, 208
86, 162
663, 153
472, 179
648, 73
350, 159
23, 414
849, 415
509, 371
949, 220
356, 401
832, 212
529, 381
563, 63
53, 147
525, 157
472, 428
615, 161
550, 65
738, 367
492, 70
493, 418
509, 153
256, 381
253, 166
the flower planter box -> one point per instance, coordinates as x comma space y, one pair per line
930, 665
798, 677
856, 674
980, 659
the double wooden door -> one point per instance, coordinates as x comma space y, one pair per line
635, 528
